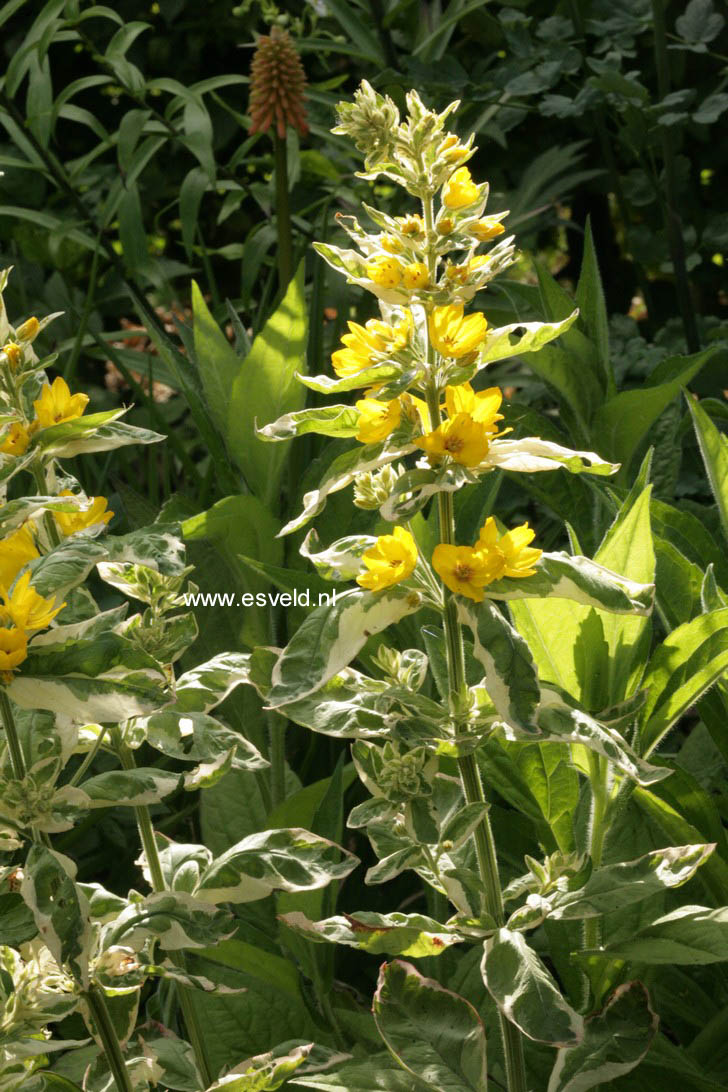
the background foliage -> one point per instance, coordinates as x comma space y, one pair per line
129, 173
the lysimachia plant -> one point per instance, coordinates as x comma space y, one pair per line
431, 726
78, 683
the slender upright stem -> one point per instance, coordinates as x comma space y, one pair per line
673, 223
283, 215
467, 765
598, 771
96, 1002
154, 864
17, 761
41, 484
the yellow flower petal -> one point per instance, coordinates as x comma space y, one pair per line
463, 439
452, 333
377, 420
460, 190
463, 570
56, 404
390, 560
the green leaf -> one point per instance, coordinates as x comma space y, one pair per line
714, 449
132, 788
625, 420
340, 421
341, 473
396, 934
274, 860
613, 886
550, 775
690, 935
561, 576
264, 1072
66, 566
197, 737
203, 687
173, 918
59, 909
499, 345
410, 1010
682, 668
615, 1041
378, 1073
526, 993
593, 309
331, 636
106, 678
97, 432
217, 361
342, 559
510, 673
266, 388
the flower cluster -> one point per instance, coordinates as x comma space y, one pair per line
55, 406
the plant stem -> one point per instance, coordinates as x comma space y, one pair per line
469, 773
283, 215
597, 829
41, 484
106, 1032
154, 864
673, 223
88, 758
17, 761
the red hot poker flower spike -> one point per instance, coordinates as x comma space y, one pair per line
277, 83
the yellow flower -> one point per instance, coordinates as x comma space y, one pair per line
365, 343
16, 550
445, 225
477, 263
464, 570
415, 275
13, 648
385, 272
460, 190
482, 406
486, 229
391, 244
457, 273
71, 522
391, 559
56, 404
511, 550
17, 440
411, 225
26, 608
460, 437
377, 419
27, 330
455, 334
14, 354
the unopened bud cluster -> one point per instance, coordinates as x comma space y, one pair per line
277, 85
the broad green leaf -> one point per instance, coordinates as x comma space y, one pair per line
532, 455
593, 309
49, 439
690, 935
173, 918
528, 337
103, 437
59, 909
510, 674
203, 687
217, 361
106, 678
613, 886
264, 1072
66, 566
16, 512
159, 547
197, 737
341, 421
615, 1041
274, 860
550, 775
688, 661
526, 993
132, 788
265, 388
341, 473
396, 934
331, 636
714, 449
409, 1010
561, 576
377, 1073
625, 420
559, 721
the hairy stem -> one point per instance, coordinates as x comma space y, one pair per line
41, 484
469, 773
154, 864
283, 216
597, 829
96, 1002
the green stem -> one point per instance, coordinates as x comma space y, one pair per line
283, 215
277, 758
598, 771
469, 773
17, 761
96, 1002
41, 484
154, 864
673, 223
89, 758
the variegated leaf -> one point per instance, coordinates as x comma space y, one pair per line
341, 421
561, 576
396, 934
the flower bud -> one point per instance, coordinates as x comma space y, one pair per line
373, 488
415, 275
13, 354
385, 272
27, 330
277, 83
116, 961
